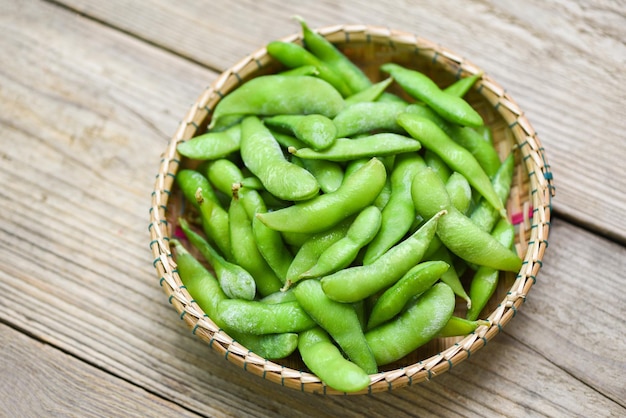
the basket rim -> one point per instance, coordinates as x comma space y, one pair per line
542, 191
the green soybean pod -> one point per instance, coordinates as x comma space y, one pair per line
458, 326
457, 157
366, 117
483, 214
340, 320
414, 282
279, 297
326, 361
246, 253
234, 280
293, 55
343, 252
460, 192
417, 325
461, 86
359, 282
258, 318
485, 279
263, 156
316, 131
456, 231
436, 163
326, 51
279, 95
357, 191
376, 145
451, 275
301, 70
421, 87
398, 213
311, 250
207, 293
370, 94
212, 145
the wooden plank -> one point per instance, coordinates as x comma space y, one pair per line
39, 380
86, 131
561, 62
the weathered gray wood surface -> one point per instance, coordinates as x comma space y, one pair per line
90, 93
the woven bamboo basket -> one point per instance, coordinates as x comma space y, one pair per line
529, 204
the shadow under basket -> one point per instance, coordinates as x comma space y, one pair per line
529, 204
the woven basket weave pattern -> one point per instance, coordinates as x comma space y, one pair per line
368, 47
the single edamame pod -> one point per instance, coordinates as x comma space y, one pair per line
414, 282
376, 145
280, 95
460, 192
343, 252
234, 280
456, 231
316, 131
301, 70
353, 76
485, 279
212, 145
322, 212
207, 293
340, 320
398, 213
326, 361
417, 325
356, 283
451, 276
246, 252
460, 87
457, 327
264, 158
421, 87
366, 117
370, 94
257, 318
457, 157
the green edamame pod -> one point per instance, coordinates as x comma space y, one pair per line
356, 283
280, 297
212, 145
457, 327
325, 360
264, 158
214, 219
343, 252
460, 192
398, 213
414, 327
366, 117
334, 58
257, 318
370, 94
451, 276
486, 133
246, 252
316, 131
457, 157
340, 320
322, 212
460, 87
280, 95
390, 97
301, 70
312, 248
484, 215
456, 231
207, 293
293, 55
376, 145
421, 87
485, 279
234, 280
436, 163
414, 282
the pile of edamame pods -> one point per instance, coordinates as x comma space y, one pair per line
337, 217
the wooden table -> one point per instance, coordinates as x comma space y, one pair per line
90, 93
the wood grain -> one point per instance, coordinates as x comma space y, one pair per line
85, 111
561, 61
39, 380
